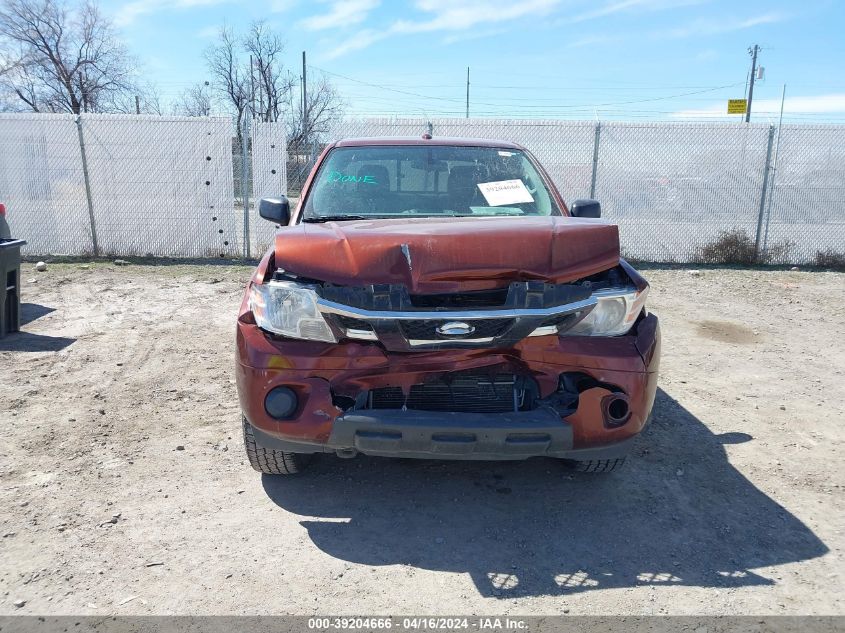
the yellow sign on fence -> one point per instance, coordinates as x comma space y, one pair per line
737, 106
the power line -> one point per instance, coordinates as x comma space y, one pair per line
382, 87
561, 106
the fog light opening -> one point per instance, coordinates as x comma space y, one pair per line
616, 410
281, 403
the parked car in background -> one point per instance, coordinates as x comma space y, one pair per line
436, 298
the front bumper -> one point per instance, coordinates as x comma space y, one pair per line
446, 435
319, 372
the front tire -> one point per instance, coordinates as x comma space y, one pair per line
270, 461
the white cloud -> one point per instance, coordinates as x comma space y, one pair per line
815, 104
591, 40
725, 25
458, 15
208, 32
706, 55
451, 16
131, 11
360, 40
340, 14
628, 6
280, 6
475, 35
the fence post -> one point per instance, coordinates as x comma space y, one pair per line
595, 160
775, 167
246, 182
87, 186
762, 209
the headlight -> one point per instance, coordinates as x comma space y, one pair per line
290, 310
614, 314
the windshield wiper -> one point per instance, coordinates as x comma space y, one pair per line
334, 218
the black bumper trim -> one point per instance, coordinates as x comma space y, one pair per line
451, 435
448, 435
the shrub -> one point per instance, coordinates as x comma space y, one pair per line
731, 247
736, 247
829, 259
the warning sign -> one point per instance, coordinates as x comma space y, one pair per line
737, 106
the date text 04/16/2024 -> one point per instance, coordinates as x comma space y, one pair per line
417, 623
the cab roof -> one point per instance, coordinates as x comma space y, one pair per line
426, 140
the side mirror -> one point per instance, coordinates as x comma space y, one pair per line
275, 209
585, 209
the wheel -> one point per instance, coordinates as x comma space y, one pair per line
597, 465
270, 461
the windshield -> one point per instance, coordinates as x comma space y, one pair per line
426, 181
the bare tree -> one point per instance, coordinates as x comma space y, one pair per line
266, 90
8, 62
195, 101
267, 73
231, 78
150, 101
323, 106
67, 61
145, 100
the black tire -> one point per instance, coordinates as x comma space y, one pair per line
597, 465
270, 461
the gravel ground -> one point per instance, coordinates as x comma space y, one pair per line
125, 488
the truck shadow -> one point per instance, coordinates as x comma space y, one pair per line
30, 342
32, 311
677, 514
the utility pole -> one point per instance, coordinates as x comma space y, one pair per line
774, 172
261, 110
87, 180
304, 97
753, 51
251, 86
467, 91
246, 183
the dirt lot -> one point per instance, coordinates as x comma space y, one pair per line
125, 488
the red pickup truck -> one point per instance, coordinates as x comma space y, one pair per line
436, 298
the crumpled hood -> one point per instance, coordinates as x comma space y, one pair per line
432, 255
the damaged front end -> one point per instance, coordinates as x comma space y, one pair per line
523, 368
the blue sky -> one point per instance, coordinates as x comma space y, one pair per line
577, 59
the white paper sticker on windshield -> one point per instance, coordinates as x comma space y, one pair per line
504, 192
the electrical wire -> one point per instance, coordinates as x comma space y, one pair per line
560, 106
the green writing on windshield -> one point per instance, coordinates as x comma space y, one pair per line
336, 176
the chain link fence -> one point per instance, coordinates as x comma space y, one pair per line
161, 185
806, 209
187, 187
42, 183
269, 178
675, 189
119, 185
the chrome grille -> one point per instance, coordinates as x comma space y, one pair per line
352, 323
427, 329
385, 315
